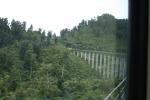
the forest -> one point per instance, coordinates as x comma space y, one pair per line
104, 33
37, 65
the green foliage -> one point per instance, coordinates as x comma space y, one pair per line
17, 29
35, 65
5, 36
105, 33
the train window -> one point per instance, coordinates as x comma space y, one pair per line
71, 50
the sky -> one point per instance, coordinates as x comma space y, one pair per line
55, 15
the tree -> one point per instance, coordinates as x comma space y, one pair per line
64, 33
17, 29
100, 33
4, 26
30, 61
54, 38
107, 24
82, 24
49, 37
6, 61
43, 38
5, 35
122, 29
24, 26
30, 29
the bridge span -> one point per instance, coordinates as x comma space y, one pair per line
108, 64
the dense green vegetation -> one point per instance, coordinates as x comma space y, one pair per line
35, 65
105, 33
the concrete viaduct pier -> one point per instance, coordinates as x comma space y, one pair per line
108, 64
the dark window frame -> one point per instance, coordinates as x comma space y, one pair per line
137, 71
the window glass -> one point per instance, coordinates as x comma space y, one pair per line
63, 49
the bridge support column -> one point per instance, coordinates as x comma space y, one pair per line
116, 66
121, 68
74, 52
108, 66
78, 53
85, 56
89, 58
93, 60
96, 65
100, 64
104, 66
113, 66
81, 54
124, 67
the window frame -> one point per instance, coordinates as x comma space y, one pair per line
138, 48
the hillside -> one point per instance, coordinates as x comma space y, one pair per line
35, 66
105, 33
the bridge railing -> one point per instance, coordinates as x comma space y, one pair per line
108, 64
119, 92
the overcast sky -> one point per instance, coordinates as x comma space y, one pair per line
55, 15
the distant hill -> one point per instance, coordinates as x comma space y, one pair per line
104, 33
